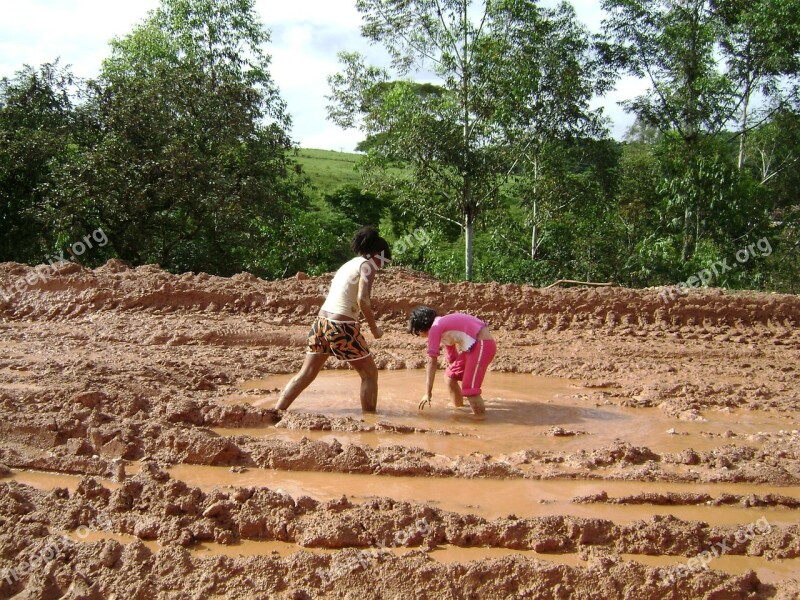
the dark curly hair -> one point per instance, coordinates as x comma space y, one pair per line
421, 319
367, 242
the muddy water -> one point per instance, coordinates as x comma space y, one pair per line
491, 498
521, 410
523, 498
48, 481
90, 536
487, 498
768, 571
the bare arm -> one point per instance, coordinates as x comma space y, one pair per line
430, 373
364, 303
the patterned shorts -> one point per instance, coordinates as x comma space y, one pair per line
342, 339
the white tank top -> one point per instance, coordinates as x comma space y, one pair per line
343, 296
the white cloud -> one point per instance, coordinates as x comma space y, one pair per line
78, 31
627, 88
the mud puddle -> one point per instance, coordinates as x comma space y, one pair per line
44, 480
90, 536
768, 570
523, 412
492, 498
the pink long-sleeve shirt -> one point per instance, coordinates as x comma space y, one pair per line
457, 331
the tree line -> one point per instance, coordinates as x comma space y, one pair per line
180, 149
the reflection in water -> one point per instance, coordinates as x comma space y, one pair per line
522, 410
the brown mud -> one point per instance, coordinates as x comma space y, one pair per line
633, 448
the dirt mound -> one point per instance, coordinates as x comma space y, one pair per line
118, 373
151, 506
72, 291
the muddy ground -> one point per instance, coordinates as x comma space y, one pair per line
115, 375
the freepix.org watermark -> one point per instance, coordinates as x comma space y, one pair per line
715, 550
704, 277
52, 551
404, 244
42, 272
363, 559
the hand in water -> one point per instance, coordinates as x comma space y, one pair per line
426, 399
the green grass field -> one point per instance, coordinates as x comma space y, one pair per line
328, 170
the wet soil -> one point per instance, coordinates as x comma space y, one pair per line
632, 448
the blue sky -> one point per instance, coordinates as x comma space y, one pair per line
303, 49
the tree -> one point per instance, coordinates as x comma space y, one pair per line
673, 44
454, 138
773, 164
541, 75
189, 167
760, 44
704, 61
361, 208
38, 131
575, 188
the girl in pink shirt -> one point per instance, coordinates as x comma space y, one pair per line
469, 347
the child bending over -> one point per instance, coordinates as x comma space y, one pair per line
469, 347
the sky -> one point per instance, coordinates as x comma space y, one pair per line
306, 37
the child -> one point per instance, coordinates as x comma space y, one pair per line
469, 347
336, 331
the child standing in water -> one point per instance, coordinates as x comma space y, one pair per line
336, 331
469, 347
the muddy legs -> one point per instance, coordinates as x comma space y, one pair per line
369, 382
311, 367
455, 392
308, 373
477, 404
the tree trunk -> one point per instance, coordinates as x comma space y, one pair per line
687, 234
535, 230
535, 227
697, 225
468, 246
469, 213
743, 134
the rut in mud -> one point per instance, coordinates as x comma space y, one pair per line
630, 443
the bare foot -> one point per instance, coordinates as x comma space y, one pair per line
477, 404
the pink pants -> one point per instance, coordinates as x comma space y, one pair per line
470, 367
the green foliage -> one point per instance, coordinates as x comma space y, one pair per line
38, 133
185, 170
672, 44
361, 208
695, 95
461, 137
312, 242
443, 258
179, 151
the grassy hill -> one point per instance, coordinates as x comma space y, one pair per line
328, 170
